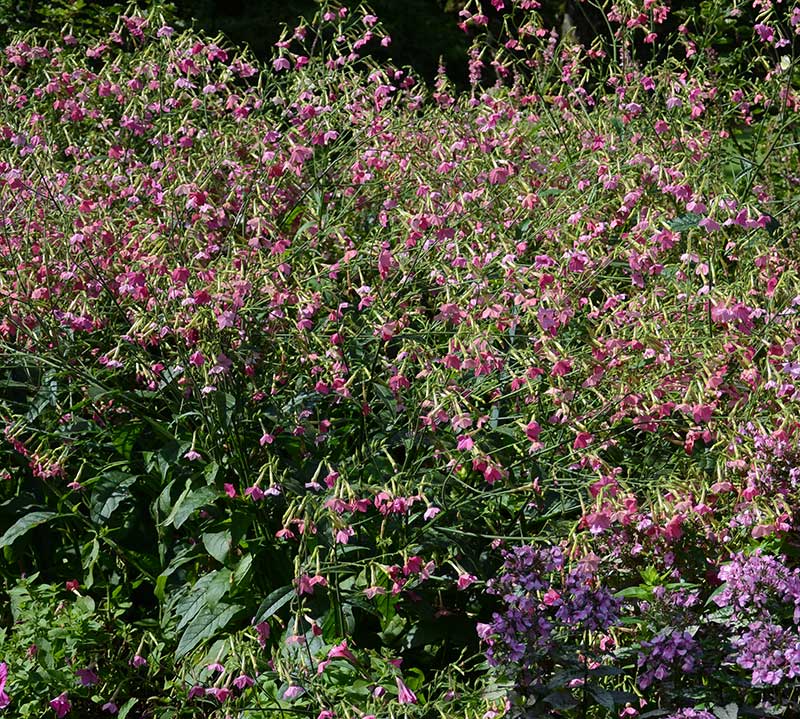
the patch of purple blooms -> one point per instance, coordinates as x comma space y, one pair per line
761, 592
771, 651
691, 713
753, 584
543, 606
666, 654
776, 465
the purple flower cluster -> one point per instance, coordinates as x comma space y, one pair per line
776, 464
541, 605
770, 651
581, 605
762, 592
521, 630
757, 584
667, 653
691, 713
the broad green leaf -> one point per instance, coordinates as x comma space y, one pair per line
205, 625
274, 601
23, 525
124, 438
729, 711
108, 494
242, 570
685, 222
561, 699
161, 583
226, 407
125, 709
218, 544
190, 501
603, 697
206, 592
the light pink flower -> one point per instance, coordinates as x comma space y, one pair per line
405, 695
5, 700
61, 705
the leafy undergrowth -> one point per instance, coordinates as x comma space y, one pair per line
327, 394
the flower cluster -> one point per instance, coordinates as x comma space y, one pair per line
756, 584
545, 606
666, 655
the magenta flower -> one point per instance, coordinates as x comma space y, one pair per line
5, 700
61, 705
87, 677
341, 651
196, 691
243, 681
405, 695
293, 691
221, 694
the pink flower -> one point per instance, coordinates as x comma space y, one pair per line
465, 443
293, 691
221, 694
110, 707
60, 705
597, 522
305, 583
255, 492
87, 677
551, 598
532, 430
5, 700
340, 651
243, 681
405, 695
465, 580
673, 529
765, 33
431, 512
138, 661
263, 633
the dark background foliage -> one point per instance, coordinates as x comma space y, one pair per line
422, 31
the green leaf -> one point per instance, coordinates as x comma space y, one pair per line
635, 592
393, 629
205, 625
226, 407
124, 438
561, 699
125, 709
730, 711
218, 544
190, 501
274, 601
23, 525
243, 569
206, 592
161, 583
108, 494
210, 473
603, 698
685, 222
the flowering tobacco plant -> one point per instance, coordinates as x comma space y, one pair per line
290, 349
